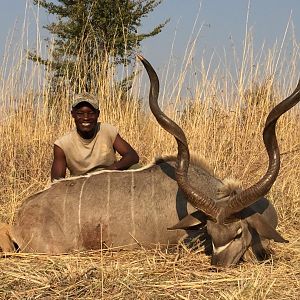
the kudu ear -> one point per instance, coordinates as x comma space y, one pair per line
191, 220
257, 222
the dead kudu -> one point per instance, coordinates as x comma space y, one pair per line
133, 208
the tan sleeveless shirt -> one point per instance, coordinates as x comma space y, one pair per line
85, 155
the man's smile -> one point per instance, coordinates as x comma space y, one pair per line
86, 124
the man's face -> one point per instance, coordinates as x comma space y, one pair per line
85, 117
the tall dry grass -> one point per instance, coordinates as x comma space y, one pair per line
222, 116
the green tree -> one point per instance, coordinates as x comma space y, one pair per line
85, 31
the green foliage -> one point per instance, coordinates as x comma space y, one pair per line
87, 32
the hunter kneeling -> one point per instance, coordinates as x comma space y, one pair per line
92, 145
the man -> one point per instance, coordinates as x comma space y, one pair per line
92, 145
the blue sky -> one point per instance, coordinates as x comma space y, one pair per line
222, 21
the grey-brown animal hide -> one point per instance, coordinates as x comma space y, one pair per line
108, 208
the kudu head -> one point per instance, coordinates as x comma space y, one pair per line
232, 223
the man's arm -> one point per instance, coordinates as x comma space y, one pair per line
59, 165
129, 155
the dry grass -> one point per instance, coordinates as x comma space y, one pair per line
223, 120
152, 274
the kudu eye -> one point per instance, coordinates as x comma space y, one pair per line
238, 234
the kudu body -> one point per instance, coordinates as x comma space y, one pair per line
112, 208
108, 208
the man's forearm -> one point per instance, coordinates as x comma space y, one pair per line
125, 162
